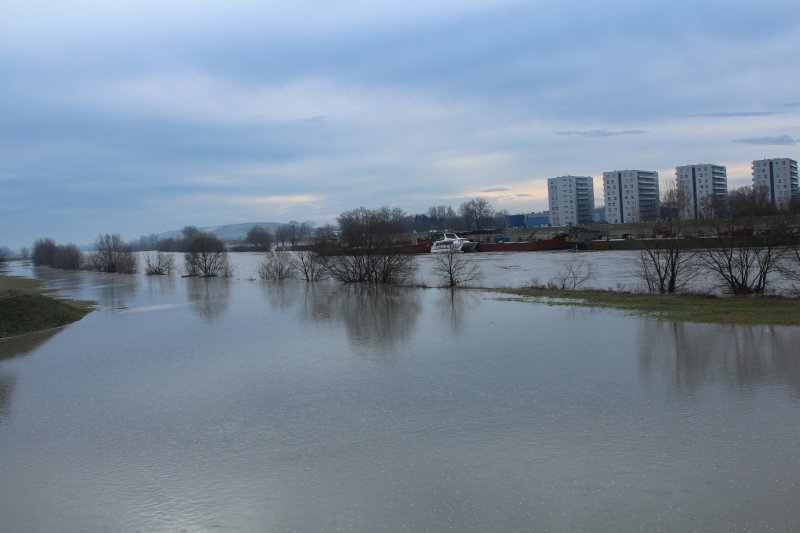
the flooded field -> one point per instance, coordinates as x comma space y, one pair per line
187, 404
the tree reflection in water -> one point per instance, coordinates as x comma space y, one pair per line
691, 356
375, 316
210, 297
452, 304
9, 349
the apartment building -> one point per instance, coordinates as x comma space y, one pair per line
631, 196
704, 189
571, 200
778, 177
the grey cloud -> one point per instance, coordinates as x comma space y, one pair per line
522, 194
778, 140
494, 189
600, 133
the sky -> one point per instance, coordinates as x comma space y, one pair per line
147, 116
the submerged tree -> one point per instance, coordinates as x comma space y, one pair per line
572, 274
63, 256
278, 266
44, 252
371, 250
311, 265
454, 268
113, 255
206, 256
159, 264
68, 257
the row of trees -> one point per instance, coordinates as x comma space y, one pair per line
739, 256
370, 250
740, 260
205, 256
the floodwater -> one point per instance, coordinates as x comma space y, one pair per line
185, 404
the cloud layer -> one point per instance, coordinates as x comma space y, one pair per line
138, 117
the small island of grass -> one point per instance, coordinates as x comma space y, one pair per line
25, 308
752, 310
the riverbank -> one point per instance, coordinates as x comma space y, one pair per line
25, 307
752, 310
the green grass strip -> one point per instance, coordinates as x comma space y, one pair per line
25, 308
768, 310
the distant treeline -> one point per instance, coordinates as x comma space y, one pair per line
111, 255
477, 213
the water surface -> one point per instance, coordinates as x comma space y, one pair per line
244, 405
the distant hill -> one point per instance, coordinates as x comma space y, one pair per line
228, 232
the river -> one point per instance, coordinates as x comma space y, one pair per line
187, 404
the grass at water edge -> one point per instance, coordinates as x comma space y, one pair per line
764, 310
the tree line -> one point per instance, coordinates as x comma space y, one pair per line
740, 251
369, 248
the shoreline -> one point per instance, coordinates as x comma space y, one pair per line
700, 308
26, 307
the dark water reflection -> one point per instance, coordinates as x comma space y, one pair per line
690, 356
373, 316
186, 404
9, 349
210, 297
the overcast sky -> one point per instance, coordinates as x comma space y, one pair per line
139, 117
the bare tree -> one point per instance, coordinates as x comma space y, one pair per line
499, 218
790, 267
666, 265
306, 230
292, 232
740, 261
477, 212
159, 264
260, 237
572, 275
750, 202
453, 268
190, 233
444, 217
68, 257
283, 234
278, 266
44, 252
64, 256
206, 256
113, 255
324, 233
713, 207
370, 250
311, 265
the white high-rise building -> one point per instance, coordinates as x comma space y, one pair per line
571, 200
631, 196
704, 188
778, 177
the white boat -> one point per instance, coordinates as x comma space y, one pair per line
452, 243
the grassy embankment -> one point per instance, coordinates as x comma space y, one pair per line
768, 310
25, 307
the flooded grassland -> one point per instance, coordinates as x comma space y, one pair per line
241, 404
